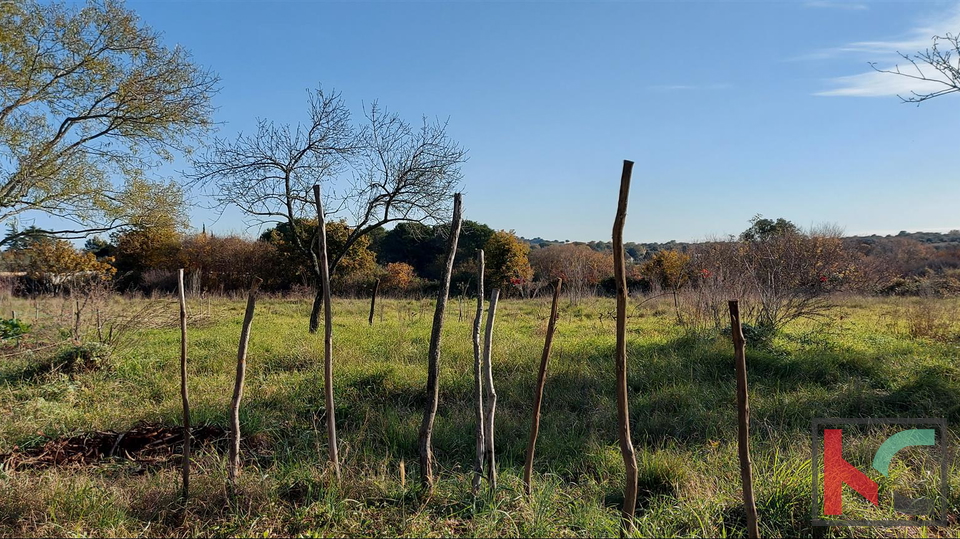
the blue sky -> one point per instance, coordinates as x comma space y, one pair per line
729, 109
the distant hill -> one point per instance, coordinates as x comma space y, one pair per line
639, 251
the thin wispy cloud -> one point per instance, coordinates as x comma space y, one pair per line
846, 6
886, 54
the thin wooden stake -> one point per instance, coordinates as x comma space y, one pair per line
233, 466
743, 419
538, 394
327, 335
433, 356
184, 396
623, 410
490, 396
373, 300
478, 376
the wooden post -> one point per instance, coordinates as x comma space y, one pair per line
233, 466
490, 397
184, 396
538, 393
743, 419
327, 335
76, 323
373, 300
433, 356
478, 376
623, 410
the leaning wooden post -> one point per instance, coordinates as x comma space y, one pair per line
743, 419
327, 335
623, 411
538, 393
478, 376
184, 396
433, 356
373, 300
490, 397
233, 466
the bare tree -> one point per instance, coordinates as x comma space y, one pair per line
269, 175
937, 67
383, 172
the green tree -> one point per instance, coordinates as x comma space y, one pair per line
506, 261
90, 100
358, 264
762, 229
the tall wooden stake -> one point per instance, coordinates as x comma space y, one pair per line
233, 466
433, 356
623, 411
373, 300
327, 335
743, 419
478, 376
184, 396
538, 393
490, 397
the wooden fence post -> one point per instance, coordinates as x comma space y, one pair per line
478, 376
743, 419
327, 335
233, 466
433, 356
490, 397
538, 393
184, 396
373, 300
623, 411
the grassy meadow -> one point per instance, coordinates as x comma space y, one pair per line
869, 357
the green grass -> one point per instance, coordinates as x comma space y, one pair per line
860, 361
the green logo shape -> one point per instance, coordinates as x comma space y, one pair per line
906, 438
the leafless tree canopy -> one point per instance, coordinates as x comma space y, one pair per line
381, 172
940, 64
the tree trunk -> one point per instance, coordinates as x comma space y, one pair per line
433, 357
623, 411
490, 397
233, 465
315, 311
327, 335
184, 397
743, 419
538, 393
478, 376
373, 300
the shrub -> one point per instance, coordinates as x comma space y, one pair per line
12, 328
83, 358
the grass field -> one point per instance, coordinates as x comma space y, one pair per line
869, 358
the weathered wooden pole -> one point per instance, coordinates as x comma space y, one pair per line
433, 356
233, 466
538, 393
623, 410
327, 335
490, 396
373, 300
478, 376
184, 396
743, 419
